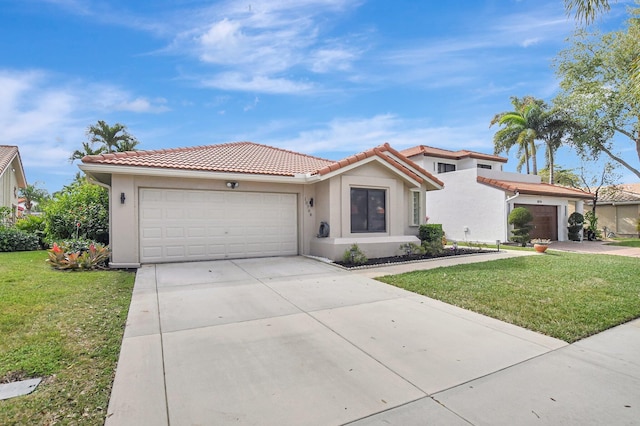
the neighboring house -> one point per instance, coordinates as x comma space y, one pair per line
618, 209
12, 178
240, 200
478, 196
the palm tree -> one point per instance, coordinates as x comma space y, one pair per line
86, 150
110, 137
586, 10
128, 145
31, 194
521, 128
555, 126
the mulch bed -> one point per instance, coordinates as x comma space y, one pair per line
384, 261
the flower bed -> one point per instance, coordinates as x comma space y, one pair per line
384, 261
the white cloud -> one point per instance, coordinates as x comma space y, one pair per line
256, 83
259, 46
46, 117
349, 135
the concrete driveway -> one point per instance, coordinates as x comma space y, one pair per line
295, 341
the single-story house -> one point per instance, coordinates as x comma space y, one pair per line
243, 199
478, 196
618, 209
12, 178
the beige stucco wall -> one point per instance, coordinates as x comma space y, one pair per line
620, 218
337, 190
331, 203
124, 232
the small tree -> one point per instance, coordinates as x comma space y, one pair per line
520, 218
576, 221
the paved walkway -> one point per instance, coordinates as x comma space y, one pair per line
595, 247
295, 341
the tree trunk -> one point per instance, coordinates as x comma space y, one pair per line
526, 157
534, 160
551, 166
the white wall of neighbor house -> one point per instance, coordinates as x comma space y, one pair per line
430, 164
467, 210
509, 176
9, 187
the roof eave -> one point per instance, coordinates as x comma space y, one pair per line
97, 170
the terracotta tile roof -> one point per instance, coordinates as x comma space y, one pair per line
453, 155
236, 157
7, 154
624, 193
535, 188
402, 163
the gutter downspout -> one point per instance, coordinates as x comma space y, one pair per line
506, 214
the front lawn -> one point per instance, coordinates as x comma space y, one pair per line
65, 327
565, 295
629, 242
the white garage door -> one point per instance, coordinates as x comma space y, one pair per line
182, 225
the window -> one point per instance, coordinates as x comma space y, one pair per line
446, 167
368, 210
415, 208
484, 166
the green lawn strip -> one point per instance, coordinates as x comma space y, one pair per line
631, 242
66, 327
564, 295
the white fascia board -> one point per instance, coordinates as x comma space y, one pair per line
414, 170
193, 174
365, 161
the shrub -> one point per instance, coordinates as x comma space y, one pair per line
576, 220
12, 239
79, 210
95, 257
520, 218
431, 232
411, 249
354, 256
33, 225
592, 228
432, 248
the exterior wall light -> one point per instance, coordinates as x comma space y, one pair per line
232, 185
122, 198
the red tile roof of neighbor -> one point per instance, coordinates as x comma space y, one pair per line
535, 188
251, 158
7, 154
623, 193
453, 155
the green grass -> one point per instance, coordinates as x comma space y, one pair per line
66, 327
565, 295
629, 242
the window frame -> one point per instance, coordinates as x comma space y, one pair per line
485, 166
445, 167
415, 201
372, 217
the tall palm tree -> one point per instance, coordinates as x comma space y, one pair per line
521, 128
555, 126
110, 137
586, 10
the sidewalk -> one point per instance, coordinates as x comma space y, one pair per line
595, 247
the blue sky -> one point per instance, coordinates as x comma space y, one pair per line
324, 77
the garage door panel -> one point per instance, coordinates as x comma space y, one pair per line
193, 225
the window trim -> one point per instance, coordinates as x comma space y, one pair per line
444, 167
368, 230
485, 166
414, 220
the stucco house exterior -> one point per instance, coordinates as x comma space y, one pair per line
478, 196
243, 199
12, 178
618, 209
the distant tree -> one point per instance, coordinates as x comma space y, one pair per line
594, 182
31, 194
521, 128
111, 138
564, 177
598, 91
